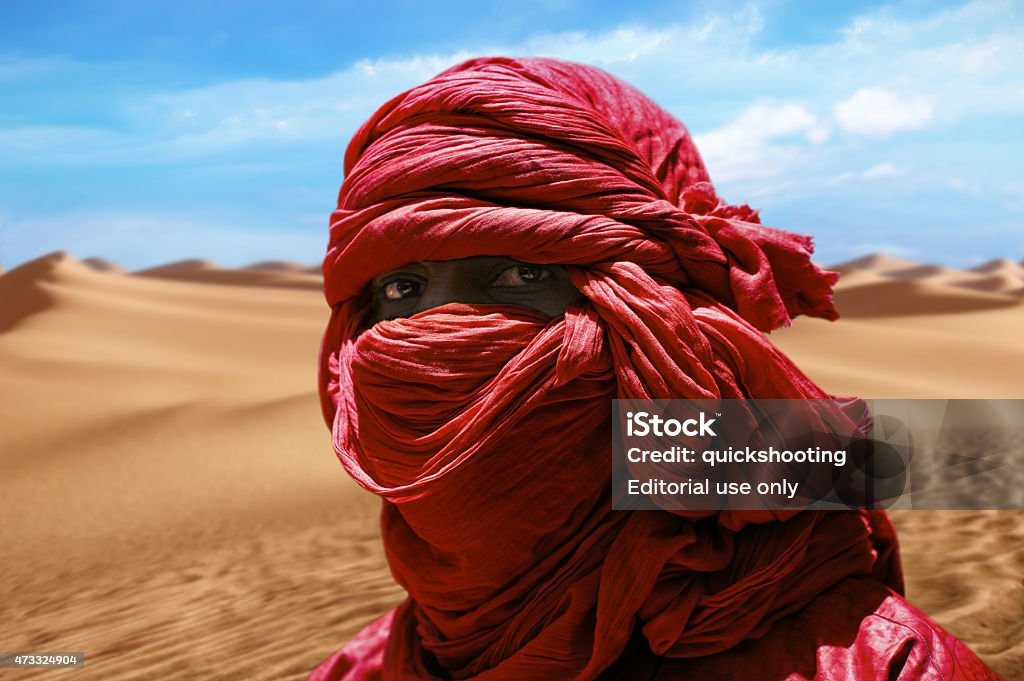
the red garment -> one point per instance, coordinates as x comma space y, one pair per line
486, 429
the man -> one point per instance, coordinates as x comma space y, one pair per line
518, 242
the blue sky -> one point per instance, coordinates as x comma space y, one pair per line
153, 131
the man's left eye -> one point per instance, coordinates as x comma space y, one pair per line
521, 275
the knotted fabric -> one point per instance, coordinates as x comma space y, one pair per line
486, 429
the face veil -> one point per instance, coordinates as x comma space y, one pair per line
486, 429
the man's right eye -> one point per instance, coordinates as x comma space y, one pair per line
399, 289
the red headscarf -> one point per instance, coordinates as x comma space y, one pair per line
486, 429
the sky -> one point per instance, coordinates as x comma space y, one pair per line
156, 131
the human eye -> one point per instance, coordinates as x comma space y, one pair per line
521, 275
400, 288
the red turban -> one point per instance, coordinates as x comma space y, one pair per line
486, 428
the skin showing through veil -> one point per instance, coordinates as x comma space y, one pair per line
424, 285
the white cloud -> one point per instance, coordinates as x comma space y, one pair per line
254, 111
40, 139
763, 113
749, 146
23, 68
624, 44
244, 114
961, 62
962, 186
883, 171
874, 112
879, 171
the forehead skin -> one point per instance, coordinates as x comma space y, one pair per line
479, 279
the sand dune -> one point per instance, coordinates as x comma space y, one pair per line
999, 275
102, 265
875, 262
932, 272
271, 273
901, 298
282, 266
881, 286
1000, 266
23, 291
995, 283
172, 507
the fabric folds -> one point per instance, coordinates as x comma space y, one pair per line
485, 429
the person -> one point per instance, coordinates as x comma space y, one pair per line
517, 243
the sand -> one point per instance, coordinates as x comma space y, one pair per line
272, 273
172, 506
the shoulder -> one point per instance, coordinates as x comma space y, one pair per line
859, 629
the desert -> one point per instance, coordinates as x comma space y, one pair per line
172, 506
